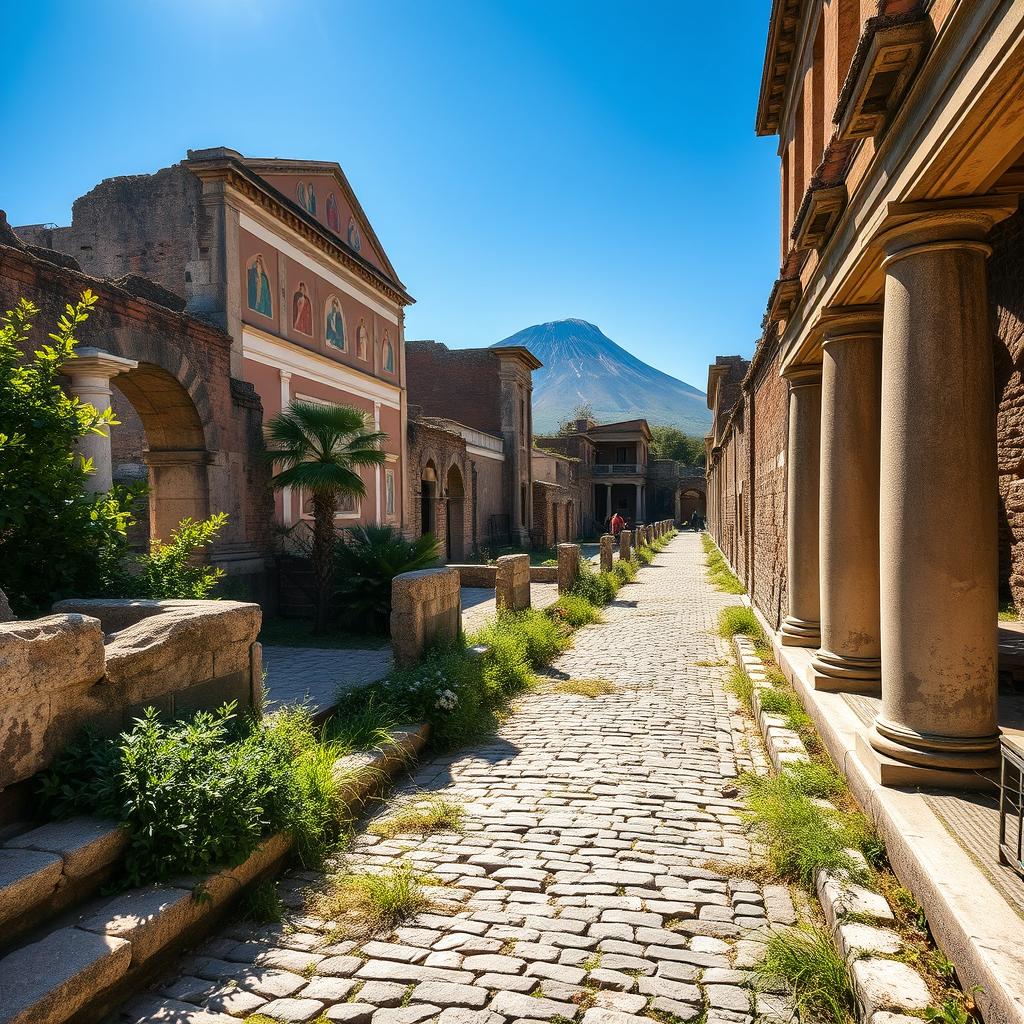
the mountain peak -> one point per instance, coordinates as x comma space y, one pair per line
583, 365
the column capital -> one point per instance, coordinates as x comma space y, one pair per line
95, 362
844, 323
802, 376
945, 224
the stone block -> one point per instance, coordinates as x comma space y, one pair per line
625, 544
48, 981
512, 582
150, 918
607, 552
27, 877
293, 1011
857, 940
568, 566
426, 607
50, 655
888, 985
482, 576
85, 845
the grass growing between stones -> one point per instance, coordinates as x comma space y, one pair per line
421, 817
738, 620
585, 687
368, 903
262, 903
720, 575
805, 963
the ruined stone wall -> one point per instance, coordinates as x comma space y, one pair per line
769, 427
1006, 298
113, 231
460, 384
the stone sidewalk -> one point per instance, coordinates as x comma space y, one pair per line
317, 676
578, 889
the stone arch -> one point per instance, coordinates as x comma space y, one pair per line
455, 513
690, 500
428, 496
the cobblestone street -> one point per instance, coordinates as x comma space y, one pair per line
577, 888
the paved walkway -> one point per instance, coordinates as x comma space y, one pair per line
576, 890
479, 608
296, 675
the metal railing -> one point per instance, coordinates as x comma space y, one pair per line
1011, 806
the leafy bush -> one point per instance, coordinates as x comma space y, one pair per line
172, 570
644, 554
200, 793
575, 610
369, 560
804, 963
56, 539
625, 571
594, 587
543, 637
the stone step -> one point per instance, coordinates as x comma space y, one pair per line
86, 965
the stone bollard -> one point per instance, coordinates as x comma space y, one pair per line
512, 582
607, 552
640, 535
568, 566
625, 537
426, 606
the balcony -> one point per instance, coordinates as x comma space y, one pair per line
619, 469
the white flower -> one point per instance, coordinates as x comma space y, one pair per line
447, 701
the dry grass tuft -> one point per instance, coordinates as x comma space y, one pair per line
421, 817
585, 687
370, 903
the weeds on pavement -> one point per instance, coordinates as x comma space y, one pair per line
585, 687
421, 817
367, 903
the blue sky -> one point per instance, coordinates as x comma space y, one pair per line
521, 161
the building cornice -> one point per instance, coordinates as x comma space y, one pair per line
783, 29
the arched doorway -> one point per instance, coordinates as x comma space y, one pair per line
690, 500
455, 527
428, 498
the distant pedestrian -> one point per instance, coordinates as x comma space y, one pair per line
618, 524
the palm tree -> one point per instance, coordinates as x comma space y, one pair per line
320, 449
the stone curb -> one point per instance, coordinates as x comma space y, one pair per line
109, 955
887, 990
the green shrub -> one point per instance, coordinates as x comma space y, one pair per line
172, 570
545, 639
625, 570
611, 582
56, 538
371, 557
644, 554
575, 610
593, 587
203, 792
804, 963
801, 836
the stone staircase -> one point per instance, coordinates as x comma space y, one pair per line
71, 952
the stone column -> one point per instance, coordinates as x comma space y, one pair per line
608, 501
938, 539
639, 504
90, 375
625, 536
851, 419
607, 552
801, 626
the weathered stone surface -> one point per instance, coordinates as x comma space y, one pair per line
458, 1015
607, 552
425, 606
150, 918
412, 1014
445, 994
568, 566
147, 1010
512, 582
50, 655
855, 940
382, 993
625, 544
514, 1005
351, 1013
84, 844
6, 615
288, 1011
26, 877
48, 981
330, 990
888, 985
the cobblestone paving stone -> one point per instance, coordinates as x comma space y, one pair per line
575, 891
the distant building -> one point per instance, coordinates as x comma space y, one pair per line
280, 255
483, 395
618, 475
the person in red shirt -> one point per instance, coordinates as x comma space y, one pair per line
618, 523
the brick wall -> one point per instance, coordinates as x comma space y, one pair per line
1006, 297
428, 443
769, 429
460, 384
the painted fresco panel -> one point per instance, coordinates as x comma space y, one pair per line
260, 292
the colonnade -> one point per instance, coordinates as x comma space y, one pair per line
892, 499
